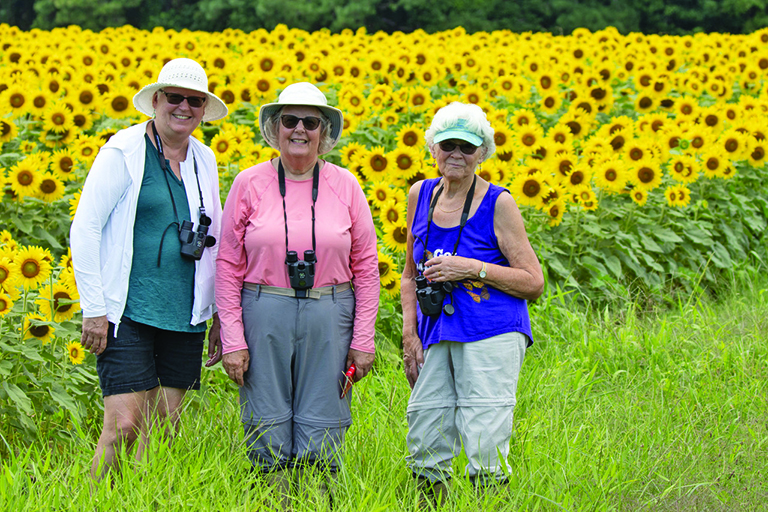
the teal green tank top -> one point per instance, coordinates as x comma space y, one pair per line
160, 296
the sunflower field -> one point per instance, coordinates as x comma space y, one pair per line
637, 160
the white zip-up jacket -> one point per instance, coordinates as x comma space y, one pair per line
101, 235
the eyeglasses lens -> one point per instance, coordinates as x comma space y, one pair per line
310, 123
467, 149
176, 99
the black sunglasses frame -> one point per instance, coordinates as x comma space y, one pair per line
466, 148
311, 123
191, 100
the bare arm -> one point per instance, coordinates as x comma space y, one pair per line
523, 278
413, 355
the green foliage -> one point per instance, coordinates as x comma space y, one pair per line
556, 16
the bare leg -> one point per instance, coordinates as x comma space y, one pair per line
162, 409
123, 418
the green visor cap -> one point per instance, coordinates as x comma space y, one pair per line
460, 131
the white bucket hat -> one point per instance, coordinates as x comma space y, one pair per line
303, 94
187, 74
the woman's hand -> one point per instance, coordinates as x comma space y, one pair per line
413, 357
236, 364
214, 342
451, 268
94, 337
363, 362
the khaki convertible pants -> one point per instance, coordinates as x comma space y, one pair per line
465, 396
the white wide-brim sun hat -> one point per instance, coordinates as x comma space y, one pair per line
187, 74
302, 94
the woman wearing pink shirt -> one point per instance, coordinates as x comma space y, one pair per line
297, 288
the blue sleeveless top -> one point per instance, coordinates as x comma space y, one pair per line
481, 311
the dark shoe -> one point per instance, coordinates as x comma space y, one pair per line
432, 495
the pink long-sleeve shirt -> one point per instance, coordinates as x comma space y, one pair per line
252, 245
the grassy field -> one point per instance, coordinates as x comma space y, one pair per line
617, 410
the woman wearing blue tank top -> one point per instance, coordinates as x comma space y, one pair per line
469, 273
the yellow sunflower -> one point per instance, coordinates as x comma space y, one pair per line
611, 175
376, 163
50, 189
410, 135
757, 153
683, 168
6, 304
24, 177
392, 289
406, 160
73, 204
392, 212
9, 272
57, 302
63, 164
118, 104
379, 193
58, 118
8, 130
528, 190
395, 236
348, 152
32, 265
645, 174
586, 198
387, 268
35, 326
223, 146
76, 352
639, 196
555, 211
678, 195
82, 118
734, 143
16, 99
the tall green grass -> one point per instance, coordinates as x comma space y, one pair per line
616, 411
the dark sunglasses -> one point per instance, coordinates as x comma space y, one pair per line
466, 148
310, 122
176, 99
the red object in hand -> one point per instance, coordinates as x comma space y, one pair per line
348, 380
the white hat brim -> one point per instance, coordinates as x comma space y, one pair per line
334, 114
214, 108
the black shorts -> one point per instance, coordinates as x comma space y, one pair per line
143, 357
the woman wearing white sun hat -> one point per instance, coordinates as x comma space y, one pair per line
146, 285
286, 343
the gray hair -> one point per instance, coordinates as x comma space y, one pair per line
477, 122
272, 127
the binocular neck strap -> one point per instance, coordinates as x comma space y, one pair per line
315, 184
161, 157
464, 215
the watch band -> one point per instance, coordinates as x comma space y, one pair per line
482, 272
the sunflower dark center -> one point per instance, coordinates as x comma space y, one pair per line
120, 103
30, 268
531, 188
400, 234
410, 139
378, 163
39, 331
646, 174
48, 186
25, 177
61, 308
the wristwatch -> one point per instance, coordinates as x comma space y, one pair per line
482, 273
